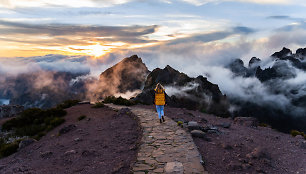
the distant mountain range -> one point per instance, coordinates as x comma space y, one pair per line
283, 81
281, 78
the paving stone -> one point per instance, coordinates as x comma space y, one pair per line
174, 168
165, 148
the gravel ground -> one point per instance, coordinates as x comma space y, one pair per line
104, 142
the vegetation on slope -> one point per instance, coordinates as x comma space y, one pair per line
34, 123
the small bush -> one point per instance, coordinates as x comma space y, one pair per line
39, 135
57, 121
179, 123
32, 122
8, 149
295, 133
263, 125
119, 101
81, 117
30, 130
98, 105
67, 104
203, 110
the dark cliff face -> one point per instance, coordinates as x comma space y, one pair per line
166, 76
283, 67
127, 75
238, 68
192, 93
296, 59
285, 52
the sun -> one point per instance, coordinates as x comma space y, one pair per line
98, 50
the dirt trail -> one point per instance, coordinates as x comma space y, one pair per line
166, 147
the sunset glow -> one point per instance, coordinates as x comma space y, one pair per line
120, 27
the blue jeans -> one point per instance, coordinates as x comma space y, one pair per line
160, 110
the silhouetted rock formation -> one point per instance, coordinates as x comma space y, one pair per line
192, 93
283, 66
285, 52
238, 68
127, 75
254, 62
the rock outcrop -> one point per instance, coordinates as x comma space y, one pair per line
10, 110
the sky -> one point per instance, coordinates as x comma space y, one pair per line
161, 31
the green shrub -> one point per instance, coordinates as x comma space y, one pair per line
263, 125
8, 149
203, 110
118, 101
67, 104
81, 117
179, 123
98, 105
57, 121
39, 135
55, 112
109, 99
32, 122
295, 133
30, 130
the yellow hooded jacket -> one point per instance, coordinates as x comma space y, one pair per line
159, 97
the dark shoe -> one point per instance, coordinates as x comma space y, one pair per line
160, 120
163, 118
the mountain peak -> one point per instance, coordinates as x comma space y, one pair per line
254, 61
133, 58
283, 53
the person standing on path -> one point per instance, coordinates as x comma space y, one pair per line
160, 101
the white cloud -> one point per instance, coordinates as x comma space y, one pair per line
68, 3
202, 2
108, 3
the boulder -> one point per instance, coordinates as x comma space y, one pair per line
192, 125
124, 111
67, 129
226, 125
26, 142
198, 133
46, 154
246, 121
303, 145
258, 153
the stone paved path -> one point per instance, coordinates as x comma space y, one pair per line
166, 147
